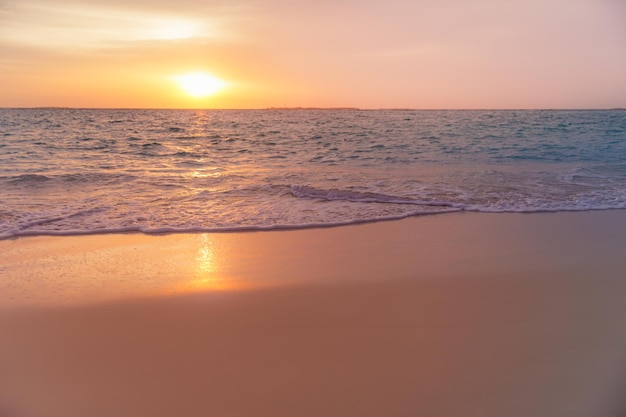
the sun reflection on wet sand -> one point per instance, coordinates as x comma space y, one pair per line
207, 274
205, 255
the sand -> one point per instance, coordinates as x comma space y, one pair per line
450, 315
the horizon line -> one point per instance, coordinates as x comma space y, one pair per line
314, 108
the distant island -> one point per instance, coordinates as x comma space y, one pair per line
312, 108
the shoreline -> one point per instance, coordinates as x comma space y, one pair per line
166, 230
51, 270
463, 315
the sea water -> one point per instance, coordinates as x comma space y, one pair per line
78, 171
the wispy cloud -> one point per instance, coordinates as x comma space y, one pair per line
71, 26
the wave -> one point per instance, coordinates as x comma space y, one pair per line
27, 178
303, 191
15, 233
257, 208
198, 229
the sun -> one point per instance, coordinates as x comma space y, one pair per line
199, 84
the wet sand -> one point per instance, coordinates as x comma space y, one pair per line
452, 315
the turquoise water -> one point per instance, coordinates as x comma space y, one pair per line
69, 171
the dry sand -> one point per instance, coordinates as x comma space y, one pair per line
453, 315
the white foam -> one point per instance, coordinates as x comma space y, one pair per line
13, 233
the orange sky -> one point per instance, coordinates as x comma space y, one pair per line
322, 53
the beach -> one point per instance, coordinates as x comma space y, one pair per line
463, 314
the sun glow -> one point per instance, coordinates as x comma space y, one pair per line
200, 84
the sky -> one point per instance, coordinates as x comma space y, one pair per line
423, 54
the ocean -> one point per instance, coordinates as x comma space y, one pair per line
84, 171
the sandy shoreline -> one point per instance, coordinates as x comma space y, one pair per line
453, 315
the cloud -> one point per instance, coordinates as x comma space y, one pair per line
5, 8
95, 24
